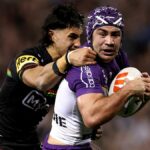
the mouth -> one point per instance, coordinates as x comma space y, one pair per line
109, 52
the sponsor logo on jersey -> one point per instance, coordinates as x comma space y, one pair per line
86, 70
35, 101
61, 121
25, 59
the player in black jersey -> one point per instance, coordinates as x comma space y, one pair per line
33, 75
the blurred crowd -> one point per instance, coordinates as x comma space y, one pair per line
20, 28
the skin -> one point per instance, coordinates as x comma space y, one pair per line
146, 80
106, 43
43, 77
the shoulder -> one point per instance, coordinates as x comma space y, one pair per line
34, 51
26, 55
83, 75
87, 69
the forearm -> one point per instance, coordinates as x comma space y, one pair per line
45, 77
109, 106
100, 109
63, 64
41, 78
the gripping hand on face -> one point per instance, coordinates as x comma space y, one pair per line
82, 56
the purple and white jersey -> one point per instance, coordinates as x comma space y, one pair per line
67, 123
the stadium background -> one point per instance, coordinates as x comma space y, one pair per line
20, 27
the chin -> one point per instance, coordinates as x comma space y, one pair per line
107, 59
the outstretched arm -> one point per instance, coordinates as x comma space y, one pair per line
45, 77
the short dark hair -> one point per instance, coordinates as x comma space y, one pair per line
61, 17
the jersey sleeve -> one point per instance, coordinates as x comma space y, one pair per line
85, 79
24, 61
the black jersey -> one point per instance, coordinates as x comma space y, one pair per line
22, 107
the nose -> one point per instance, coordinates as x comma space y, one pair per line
77, 43
109, 40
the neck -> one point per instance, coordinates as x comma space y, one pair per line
53, 52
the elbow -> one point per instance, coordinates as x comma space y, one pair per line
94, 121
89, 124
35, 83
41, 85
42, 88
46, 84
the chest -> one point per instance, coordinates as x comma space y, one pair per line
107, 73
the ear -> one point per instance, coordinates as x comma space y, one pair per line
50, 33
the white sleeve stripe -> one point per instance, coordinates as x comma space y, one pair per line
81, 75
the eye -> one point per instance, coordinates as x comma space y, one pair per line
116, 34
73, 36
102, 33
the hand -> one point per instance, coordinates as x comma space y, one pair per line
97, 133
82, 56
146, 79
136, 86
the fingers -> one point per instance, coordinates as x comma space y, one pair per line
146, 81
90, 56
137, 86
145, 74
89, 60
90, 53
82, 56
147, 94
98, 133
147, 91
99, 130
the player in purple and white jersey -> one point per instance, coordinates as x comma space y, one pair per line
82, 102
33, 76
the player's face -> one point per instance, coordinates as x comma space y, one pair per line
65, 39
107, 42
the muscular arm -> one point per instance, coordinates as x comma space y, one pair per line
97, 109
43, 77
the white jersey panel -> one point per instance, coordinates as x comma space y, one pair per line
67, 124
